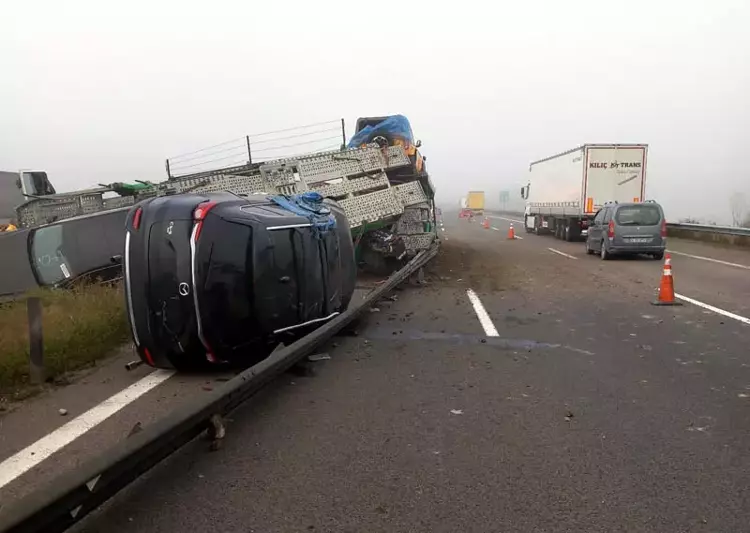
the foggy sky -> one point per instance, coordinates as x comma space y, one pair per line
92, 93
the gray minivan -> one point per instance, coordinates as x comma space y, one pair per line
628, 228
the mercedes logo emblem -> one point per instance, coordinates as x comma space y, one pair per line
184, 289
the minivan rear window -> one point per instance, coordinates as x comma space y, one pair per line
638, 215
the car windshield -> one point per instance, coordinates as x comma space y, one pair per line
47, 252
638, 215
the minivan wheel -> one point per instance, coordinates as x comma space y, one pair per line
605, 255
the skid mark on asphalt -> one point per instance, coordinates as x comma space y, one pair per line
484, 318
561, 253
717, 310
464, 339
727, 263
34, 454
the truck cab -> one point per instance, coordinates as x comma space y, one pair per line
394, 130
17, 188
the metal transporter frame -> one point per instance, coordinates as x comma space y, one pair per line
357, 178
70, 497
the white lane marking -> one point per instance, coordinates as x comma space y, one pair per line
736, 265
517, 237
508, 219
484, 318
34, 454
710, 308
561, 253
496, 229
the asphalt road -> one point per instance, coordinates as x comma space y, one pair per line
584, 408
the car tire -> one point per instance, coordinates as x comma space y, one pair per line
604, 254
658, 256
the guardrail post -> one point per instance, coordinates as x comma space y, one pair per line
36, 340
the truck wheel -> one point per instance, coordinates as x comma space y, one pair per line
525, 225
568, 231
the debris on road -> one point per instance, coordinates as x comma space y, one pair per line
137, 427
374, 310
568, 414
457, 411
318, 357
62, 412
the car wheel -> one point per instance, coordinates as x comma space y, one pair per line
659, 256
605, 255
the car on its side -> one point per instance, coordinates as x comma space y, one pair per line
73, 251
628, 229
218, 278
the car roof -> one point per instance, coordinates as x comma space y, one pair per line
631, 204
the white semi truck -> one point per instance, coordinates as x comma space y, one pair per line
565, 191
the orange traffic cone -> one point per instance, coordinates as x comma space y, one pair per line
486, 223
666, 288
511, 233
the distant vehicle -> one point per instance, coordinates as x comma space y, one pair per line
566, 190
63, 253
216, 277
628, 228
475, 202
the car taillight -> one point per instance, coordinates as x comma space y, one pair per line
611, 229
664, 229
199, 215
149, 359
137, 218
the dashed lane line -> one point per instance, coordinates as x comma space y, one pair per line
482, 315
739, 318
727, 263
34, 454
508, 219
561, 253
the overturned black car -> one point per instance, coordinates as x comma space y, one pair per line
221, 278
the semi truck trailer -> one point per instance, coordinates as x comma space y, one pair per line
565, 191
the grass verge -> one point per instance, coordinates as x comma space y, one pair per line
80, 326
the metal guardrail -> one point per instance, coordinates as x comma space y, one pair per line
70, 497
703, 228
709, 228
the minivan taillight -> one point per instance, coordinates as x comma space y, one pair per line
664, 229
611, 229
199, 215
137, 218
